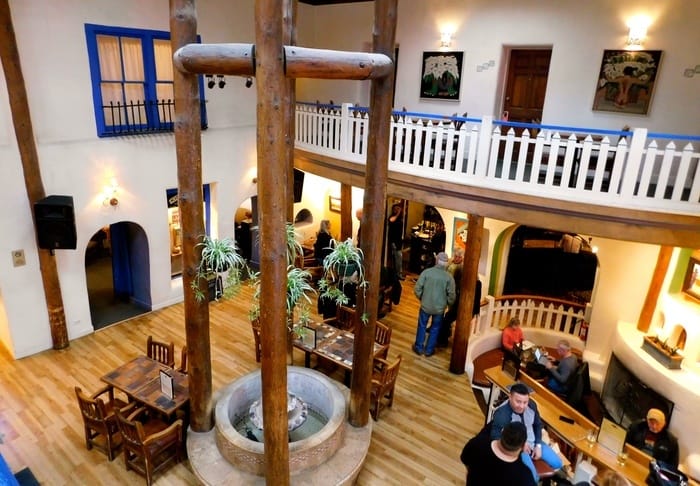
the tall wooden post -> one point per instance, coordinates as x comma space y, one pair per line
345, 211
188, 147
273, 172
22, 121
289, 38
470, 272
662, 262
374, 204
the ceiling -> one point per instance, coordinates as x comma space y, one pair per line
330, 2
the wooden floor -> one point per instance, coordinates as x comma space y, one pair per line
418, 441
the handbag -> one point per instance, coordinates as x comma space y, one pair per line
662, 474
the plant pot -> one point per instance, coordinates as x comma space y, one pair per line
670, 361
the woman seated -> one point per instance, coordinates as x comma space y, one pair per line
322, 246
511, 336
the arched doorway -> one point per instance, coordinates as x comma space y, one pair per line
117, 271
550, 263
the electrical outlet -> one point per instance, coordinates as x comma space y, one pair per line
18, 259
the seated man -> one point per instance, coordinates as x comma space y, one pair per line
491, 461
519, 408
652, 437
560, 371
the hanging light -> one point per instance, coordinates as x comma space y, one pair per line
210, 81
222, 81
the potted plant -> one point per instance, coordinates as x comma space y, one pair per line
298, 287
343, 265
219, 257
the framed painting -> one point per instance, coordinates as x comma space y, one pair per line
626, 81
691, 283
459, 237
441, 75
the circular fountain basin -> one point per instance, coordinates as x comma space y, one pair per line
320, 394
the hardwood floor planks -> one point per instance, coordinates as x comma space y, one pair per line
417, 441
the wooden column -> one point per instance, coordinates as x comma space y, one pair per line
373, 211
345, 211
273, 172
22, 122
188, 148
289, 38
470, 273
657, 280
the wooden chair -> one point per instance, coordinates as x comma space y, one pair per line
100, 421
151, 446
382, 335
183, 361
162, 352
385, 302
344, 318
255, 325
383, 383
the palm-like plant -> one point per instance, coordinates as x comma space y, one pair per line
343, 265
219, 256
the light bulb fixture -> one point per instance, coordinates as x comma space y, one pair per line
109, 194
248, 82
446, 39
222, 81
637, 32
210, 81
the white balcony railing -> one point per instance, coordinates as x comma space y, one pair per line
632, 169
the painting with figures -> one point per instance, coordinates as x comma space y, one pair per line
441, 75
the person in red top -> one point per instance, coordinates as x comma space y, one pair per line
512, 335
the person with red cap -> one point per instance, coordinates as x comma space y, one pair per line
652, 437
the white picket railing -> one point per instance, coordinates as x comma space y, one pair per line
631, 169
534, 312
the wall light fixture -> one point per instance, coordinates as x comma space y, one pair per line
637, 32
446, 39
109, 194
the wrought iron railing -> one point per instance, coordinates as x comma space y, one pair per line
142, 117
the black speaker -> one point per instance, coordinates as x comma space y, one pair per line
55, 223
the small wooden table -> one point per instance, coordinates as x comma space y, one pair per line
333, 344
140, 380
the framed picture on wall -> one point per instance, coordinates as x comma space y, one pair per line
626, 81
459, 237
691, 283
441, 75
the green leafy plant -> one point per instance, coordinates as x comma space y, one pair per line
298, 286
343, 265
219, 256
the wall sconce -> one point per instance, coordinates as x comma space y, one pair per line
446, 39
222, 81
637, 33
109, 194
248, 82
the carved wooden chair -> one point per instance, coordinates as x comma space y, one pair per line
344, 318
383, 383
382, 335
183, 361
255, 325
100, 420
162, 352
151, 446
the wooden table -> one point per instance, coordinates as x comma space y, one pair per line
551, 408
140, 380
333, 344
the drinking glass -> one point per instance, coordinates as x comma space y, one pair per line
591, 438
622, 458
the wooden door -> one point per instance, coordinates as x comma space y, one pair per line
526, 84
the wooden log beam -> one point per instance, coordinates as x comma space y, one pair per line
24, 133
272, 175
662, 263
470, 272
345, 211
300, 62
374, 205
188, 149
289, 38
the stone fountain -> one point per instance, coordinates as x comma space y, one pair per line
323, 449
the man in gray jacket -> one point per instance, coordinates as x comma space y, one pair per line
436, 290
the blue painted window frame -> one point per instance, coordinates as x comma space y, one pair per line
147, 37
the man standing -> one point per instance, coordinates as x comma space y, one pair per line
652, 436
560, 372
435, 289
395, 236
497, 462
519, 408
